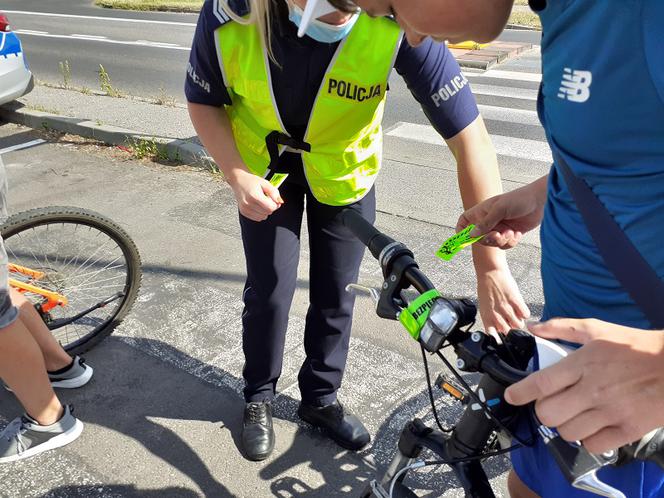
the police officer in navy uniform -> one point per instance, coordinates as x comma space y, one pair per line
266, 101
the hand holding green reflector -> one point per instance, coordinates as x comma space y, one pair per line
457, 242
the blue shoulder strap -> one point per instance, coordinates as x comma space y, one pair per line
633, 272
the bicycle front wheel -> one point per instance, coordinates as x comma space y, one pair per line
83, 256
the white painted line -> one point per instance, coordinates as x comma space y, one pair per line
506, 146
511, 75
22, 146
504, 91
89, 37
157, 44
106, 40
30, 32
99, 18
506, 114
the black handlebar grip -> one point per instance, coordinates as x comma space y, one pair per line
369, 235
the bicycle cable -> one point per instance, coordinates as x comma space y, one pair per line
424, 463
481, 403
433, 404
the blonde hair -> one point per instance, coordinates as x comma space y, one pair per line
260, 14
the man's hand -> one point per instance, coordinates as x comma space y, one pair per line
506, 217
608, 393
501, 306
256, 197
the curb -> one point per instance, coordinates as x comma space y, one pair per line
181, 150
490, 55
522, 27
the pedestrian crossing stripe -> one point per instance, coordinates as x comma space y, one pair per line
523, 148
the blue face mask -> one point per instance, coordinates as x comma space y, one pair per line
320, 31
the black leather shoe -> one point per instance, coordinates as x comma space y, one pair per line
339, 424
257, 431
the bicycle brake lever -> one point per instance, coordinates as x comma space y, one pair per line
578, 465
362, 289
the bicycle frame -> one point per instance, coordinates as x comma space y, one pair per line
52, 299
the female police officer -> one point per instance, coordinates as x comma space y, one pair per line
262, 100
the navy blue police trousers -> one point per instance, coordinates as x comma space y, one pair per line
272, 252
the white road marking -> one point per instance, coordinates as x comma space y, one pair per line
504, 91
30, 32
138, 43
25, 145
158, 44
99, 18
507, 146
89, 37
510, 75
506, 114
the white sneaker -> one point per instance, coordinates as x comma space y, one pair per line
77, 375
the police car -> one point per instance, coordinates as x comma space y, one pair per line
15, 76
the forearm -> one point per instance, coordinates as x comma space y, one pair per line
479, 179
214, 130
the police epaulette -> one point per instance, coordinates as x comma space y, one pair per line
240, 7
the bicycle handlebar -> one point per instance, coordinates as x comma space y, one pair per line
381, 245
369, 235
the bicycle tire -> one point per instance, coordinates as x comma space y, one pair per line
34, 219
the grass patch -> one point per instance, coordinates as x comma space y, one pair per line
525, 18
162, 5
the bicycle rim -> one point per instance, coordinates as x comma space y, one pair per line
84, 257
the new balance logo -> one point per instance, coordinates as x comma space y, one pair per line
575, 85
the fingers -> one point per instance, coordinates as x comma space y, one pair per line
272, 192
485, 224
521, 309
252, 214
582, 426
544, 383
565, 407
568, 329
462, 222
609, 439
503, 239
496, 322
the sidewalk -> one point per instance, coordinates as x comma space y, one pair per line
490, 55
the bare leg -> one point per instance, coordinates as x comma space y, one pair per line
22, 368
55, 357
517, 488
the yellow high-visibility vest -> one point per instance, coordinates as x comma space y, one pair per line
344, 129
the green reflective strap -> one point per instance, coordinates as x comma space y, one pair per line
457, 242
415, 315
278, 178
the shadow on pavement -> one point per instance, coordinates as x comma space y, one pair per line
141, 396
120, 490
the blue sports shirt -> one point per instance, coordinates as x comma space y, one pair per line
602, 108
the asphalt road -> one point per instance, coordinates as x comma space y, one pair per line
145, 54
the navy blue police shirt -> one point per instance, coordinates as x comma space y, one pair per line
430, 71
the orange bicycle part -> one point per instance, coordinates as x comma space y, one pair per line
53, 299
